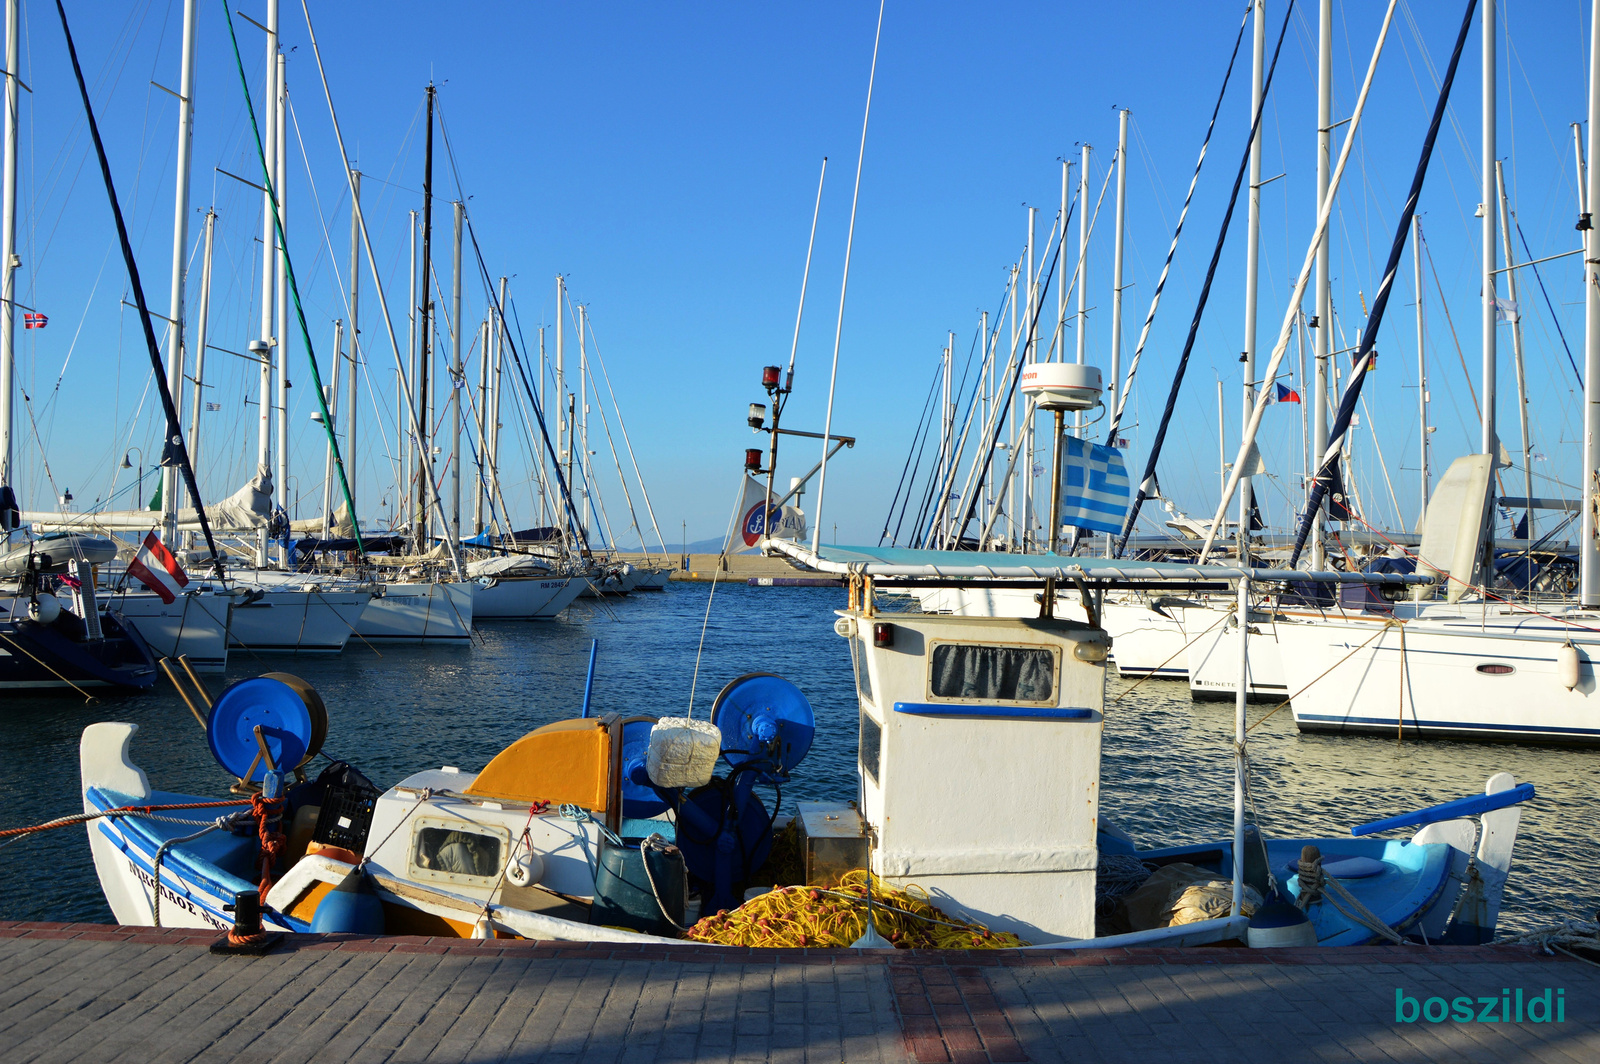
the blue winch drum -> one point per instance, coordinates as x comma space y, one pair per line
277, 709
757, 708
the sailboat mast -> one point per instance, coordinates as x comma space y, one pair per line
280, 178
1516, 347
1322, 349
1422, 366
563, 413
1489, 252
355, 334
8, 251
1252, 269
494, 404
456, 382
202, 325
583, 419
269, 242
407, 460
482, 422
180, 248
1114, 391
425, 334
1059, 348
332, 402
1588, 548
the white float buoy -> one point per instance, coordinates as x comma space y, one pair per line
1567, 665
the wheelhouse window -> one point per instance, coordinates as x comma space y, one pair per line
871, 741
455, 852
983, 672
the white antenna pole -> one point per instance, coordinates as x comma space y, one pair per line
844, 285
1252, 270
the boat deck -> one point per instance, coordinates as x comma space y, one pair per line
82, 991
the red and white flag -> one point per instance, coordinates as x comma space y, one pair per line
157, 569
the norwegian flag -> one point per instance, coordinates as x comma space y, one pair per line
157, 569
34, 321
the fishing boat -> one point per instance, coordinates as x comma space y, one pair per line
590, 823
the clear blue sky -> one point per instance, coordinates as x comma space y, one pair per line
665, 158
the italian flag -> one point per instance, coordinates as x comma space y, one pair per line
157, 569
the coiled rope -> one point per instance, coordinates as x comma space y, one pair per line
814, 916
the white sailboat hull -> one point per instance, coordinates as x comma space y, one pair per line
299, 622
1449, 681
525, 598
195, 625
418, 612
1213, 660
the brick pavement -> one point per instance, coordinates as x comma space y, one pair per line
85, 992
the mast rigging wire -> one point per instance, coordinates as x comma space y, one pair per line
1369, 334
1147, 482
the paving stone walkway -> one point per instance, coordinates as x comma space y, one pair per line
85, 992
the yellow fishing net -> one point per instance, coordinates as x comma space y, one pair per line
837, 916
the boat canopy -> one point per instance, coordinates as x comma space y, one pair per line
994, 565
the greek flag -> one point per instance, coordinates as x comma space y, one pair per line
1094, 486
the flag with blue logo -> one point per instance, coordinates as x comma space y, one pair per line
1094, 486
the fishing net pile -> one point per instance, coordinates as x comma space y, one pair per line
817, 916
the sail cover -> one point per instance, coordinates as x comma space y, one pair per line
1094, 486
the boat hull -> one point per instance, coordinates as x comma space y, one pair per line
193, 626
524, 598
415, 613
297, 622
1448, 681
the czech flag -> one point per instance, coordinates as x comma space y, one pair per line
1287, 394
156, 568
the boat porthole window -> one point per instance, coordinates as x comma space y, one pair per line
1495, 668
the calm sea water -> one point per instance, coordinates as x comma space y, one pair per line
1166, 772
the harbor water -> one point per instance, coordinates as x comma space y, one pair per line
1167, 774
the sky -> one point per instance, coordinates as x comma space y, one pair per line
664, 159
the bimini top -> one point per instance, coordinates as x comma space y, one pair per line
994, 565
